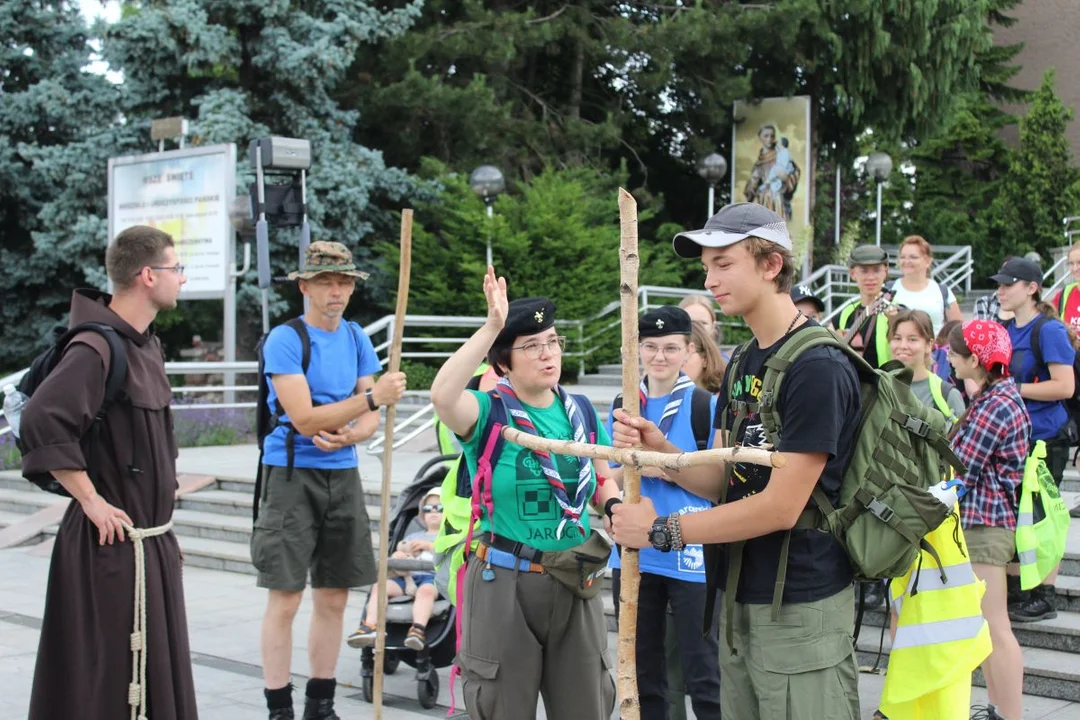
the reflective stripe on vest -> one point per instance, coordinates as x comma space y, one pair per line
938, 632
929, 579
881, 332
1026, 541
939, 398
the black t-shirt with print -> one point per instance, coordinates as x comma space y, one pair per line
819, 408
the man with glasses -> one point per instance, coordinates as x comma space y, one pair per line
672, 584
532, 618
312, 516
123, 482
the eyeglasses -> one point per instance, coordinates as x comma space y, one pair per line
432, 508
177, 268
650, 350
554, 346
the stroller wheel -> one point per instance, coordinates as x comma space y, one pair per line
427, 691
390, 664
368, 689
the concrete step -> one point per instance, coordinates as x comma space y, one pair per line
1049, 673
224, 555
28, 500
238, 504
601, 380
8, 518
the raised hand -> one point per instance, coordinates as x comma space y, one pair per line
495, 292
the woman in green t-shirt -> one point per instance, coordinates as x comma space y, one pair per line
532, 619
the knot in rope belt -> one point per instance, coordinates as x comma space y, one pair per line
137, 688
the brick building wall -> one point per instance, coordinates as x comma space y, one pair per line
1050, 31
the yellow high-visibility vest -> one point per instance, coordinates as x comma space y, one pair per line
881, 331
941, 634
939, 399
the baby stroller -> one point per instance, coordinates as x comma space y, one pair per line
440, 636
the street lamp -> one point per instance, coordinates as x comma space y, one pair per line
712, 168
487, 181
879, 165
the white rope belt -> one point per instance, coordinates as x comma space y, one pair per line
137, 688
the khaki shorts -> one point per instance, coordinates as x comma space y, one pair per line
801, 667
990, 545
317, 522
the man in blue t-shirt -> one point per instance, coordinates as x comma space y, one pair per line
675, 579
312, 516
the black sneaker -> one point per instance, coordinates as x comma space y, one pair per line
319, 709
1037, 607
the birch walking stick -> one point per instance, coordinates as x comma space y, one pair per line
629, 706
388, 447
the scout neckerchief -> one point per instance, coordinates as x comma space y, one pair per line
571, 511
675, 400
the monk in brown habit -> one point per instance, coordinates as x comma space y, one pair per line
96, 660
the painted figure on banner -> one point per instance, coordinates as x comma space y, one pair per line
775, 175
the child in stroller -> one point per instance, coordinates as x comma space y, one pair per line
420, 585
425, 643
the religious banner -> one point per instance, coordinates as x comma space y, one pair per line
187, 194
771, 159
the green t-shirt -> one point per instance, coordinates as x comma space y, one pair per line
525, 507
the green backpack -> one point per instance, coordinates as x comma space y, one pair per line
900, 450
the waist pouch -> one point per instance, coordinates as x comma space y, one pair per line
579, 568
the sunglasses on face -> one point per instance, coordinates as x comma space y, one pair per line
432, 508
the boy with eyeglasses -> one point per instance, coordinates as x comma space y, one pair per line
420, 585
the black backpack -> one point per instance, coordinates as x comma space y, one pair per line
46, 362
701, 419
1073, 403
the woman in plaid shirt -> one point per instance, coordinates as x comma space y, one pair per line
992, 441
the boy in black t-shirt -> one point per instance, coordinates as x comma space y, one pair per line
801, 664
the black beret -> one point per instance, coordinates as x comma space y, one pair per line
664, 320
526, 316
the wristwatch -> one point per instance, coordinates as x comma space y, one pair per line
660, 535
369, 393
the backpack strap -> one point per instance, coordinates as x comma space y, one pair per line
298, 326
115, 378
701, 417
944, 298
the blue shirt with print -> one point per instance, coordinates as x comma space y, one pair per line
689, 563
338, 359
1047, 418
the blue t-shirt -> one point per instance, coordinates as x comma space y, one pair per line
338, 359
1047, 418
689, 563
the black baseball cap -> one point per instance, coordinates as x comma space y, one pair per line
1018, 269
802, 292
734, 223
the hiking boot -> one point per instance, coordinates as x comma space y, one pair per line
1037, 607
319, 709
282, 714
363, 636
415, 639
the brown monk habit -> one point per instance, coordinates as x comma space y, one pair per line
84, 659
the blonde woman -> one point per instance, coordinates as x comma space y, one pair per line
917, 291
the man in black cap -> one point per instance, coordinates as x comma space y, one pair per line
676, 579
796, 661
864, 320
532, 616
807, 302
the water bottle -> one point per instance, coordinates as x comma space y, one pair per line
14, 402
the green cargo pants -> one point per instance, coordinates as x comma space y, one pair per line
524, 634
801, 667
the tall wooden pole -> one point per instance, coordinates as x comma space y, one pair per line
388, 447
629, 707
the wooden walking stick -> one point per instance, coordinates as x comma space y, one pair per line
388, 448
629, 706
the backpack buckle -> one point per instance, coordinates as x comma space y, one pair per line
766, 399
881, 511
916, 425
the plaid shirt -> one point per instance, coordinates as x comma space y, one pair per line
993, 444
988, 307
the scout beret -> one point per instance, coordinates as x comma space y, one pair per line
664, 320
526, 316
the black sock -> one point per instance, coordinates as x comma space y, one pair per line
280, 698
321, 688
